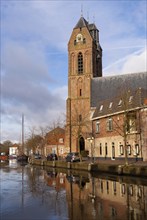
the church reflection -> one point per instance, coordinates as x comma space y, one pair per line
102, 197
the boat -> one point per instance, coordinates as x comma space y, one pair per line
3, 156
21, 158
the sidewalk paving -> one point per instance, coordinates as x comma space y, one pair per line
120, 162
117, 162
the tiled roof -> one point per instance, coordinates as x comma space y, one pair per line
128, 100
106, 88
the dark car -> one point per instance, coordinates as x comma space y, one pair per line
73, 157
52, 157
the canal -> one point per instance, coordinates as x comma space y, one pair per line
35, 193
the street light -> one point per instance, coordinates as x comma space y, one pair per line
91, 140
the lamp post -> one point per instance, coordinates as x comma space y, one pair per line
91, 145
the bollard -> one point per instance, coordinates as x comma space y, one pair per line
120, 170
54, 163
68, 165
42, 162
89, 167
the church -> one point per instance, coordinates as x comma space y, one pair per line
98, 120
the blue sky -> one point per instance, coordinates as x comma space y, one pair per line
34, 57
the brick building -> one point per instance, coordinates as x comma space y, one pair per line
55, 142
87, 88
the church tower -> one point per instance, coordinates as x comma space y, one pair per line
84, 63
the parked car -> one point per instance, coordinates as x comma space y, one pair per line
52, 157
73, 157
80, 180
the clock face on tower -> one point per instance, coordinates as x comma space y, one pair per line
79, 38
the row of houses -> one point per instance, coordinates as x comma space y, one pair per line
119, 130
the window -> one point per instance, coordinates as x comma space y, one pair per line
131, 190
139, 193
101, 186
80, 92
97, 127
109, 124
129, 149
114, 187
61, 140
107, 186
84, 40
130, 99
110, 105
75, 42
120, 102
123, 188
131, 122
121, 149
80, 63
113, 212
136, 149
100, 149
101, 108
106, 149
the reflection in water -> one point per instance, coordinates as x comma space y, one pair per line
33, 193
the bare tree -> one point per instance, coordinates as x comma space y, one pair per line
33, 140
129, 119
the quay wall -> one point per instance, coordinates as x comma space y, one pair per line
130, 170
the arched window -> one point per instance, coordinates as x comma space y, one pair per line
79, 87
80, 63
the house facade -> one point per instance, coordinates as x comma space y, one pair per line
120, 127
88, 89
55, 142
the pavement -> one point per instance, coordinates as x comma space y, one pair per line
117, 162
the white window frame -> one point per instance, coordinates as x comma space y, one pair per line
121, 149
129, 149
136, 149
101, 108
97, 126
109, 124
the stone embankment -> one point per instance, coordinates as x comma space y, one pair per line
134, 169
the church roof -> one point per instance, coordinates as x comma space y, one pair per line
104, 88
81, 23
128, 100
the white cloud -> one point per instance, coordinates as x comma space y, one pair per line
136, 63
132, 63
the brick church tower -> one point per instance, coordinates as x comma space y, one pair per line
84, 64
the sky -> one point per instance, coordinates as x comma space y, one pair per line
34, 57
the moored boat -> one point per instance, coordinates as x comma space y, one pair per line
22, 157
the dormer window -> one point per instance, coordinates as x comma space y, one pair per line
120, 102
101, 108
110, 105
130, 99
